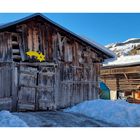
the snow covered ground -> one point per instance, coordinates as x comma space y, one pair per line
116, 113
92, 113
58, 119
9, 120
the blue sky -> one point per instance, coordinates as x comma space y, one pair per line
102, 28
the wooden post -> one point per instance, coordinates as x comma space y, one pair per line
14, 87
57, 86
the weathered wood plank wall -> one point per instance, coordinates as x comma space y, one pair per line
5, 47
5, 86
45, 87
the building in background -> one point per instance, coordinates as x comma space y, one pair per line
122, 76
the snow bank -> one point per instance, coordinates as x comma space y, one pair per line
9, 120
118, 113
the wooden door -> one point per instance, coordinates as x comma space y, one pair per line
46, 82
5, 87
27, 88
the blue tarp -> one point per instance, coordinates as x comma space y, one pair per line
104, 91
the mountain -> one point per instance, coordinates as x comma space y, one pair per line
128, 47
128, 53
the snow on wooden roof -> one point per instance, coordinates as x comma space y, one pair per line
123, 61
105, 51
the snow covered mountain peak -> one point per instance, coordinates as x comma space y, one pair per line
128, 47
128, 53
131, 40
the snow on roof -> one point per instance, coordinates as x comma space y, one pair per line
123, 61
101, 48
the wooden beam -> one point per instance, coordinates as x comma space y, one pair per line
122, 70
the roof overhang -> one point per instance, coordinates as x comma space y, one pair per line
106, 52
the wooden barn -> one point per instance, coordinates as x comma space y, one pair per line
67, 76
123, 78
